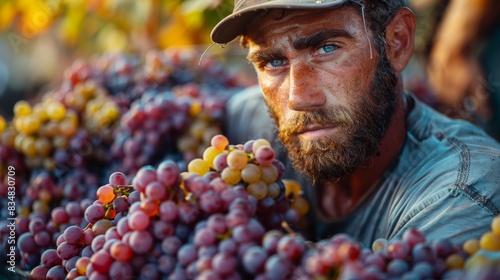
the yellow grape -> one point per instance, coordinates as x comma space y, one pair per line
92, 108
18, 140
495, 225
50, 129
230, 175
269, 173
292, 188
490, 241
72, 116
22, 108
251, 173
260, 143
67, 127
300, 205
471, 246
110, 111
209, 154
40, 112
28, 146
101, 120
259, 190
40, 206
198, 166
78, 102
3, 124
18, 123
31, 124
56, 110
88, 89
455, 261
274, 190
43, 146
220, 142
237, 159
195, 108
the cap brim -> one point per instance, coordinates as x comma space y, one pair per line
233, 25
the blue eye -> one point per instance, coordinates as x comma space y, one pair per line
328, 48
276, 63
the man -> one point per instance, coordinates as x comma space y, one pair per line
381, 161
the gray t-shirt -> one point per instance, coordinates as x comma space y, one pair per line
445, 182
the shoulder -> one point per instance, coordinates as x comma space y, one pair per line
447, 175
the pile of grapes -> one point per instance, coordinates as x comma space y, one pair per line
124, 172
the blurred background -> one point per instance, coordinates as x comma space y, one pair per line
39, 39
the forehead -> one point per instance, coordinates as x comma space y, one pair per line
274, 23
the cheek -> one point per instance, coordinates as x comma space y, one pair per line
275, 93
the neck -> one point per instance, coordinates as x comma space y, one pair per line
341, 197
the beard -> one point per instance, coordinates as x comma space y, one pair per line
331, 158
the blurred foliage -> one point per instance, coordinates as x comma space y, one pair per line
39, 39
113, 25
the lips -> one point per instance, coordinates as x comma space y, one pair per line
315, 131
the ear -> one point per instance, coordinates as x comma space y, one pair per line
400, 38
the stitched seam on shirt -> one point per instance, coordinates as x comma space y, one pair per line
463, 175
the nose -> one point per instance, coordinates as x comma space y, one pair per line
304, 91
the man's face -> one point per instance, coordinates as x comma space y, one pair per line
331, 102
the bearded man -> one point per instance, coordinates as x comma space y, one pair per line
380, 161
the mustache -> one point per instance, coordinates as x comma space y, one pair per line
337, 116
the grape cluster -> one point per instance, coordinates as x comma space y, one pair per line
189, 224
172, 124
63, 145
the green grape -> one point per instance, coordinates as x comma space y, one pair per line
231, 176
56, 110
237, 159
198, 166
251, 173
259, 190
269, 173
28, 146
471, 246
274, 190
209, 155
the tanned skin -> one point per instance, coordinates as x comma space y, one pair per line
314, 61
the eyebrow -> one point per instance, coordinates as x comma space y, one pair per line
313, 40
319, 37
